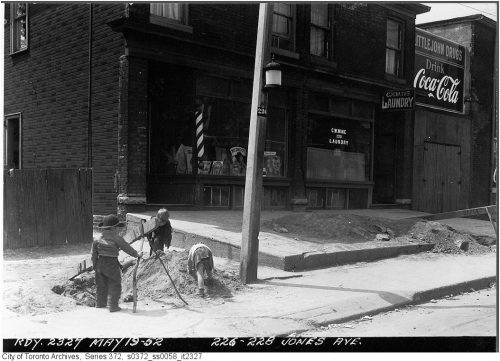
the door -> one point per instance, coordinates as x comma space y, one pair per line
384, 166
440, 183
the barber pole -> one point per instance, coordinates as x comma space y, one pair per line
200, 149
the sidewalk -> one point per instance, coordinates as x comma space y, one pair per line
277, 306
221, 231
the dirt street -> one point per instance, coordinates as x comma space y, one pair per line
469, 314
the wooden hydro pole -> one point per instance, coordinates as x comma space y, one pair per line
253, 181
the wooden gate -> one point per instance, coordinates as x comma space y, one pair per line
47, 206
441, 179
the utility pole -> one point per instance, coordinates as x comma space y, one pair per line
249, 255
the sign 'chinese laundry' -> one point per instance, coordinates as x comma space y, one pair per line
338, 137
439, 72
398, 99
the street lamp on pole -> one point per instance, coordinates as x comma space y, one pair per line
253, 181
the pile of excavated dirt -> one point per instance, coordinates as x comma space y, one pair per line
449, 240
81, 289
153, 282
344, 228
351, 228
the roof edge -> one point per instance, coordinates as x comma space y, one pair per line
470, 18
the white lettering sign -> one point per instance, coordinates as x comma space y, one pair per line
444, 89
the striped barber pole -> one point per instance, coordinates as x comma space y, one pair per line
200, 149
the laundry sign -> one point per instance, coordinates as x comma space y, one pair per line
439, 72
398, 99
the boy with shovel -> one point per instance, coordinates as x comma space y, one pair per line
105, 250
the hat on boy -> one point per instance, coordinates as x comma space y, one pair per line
110, 221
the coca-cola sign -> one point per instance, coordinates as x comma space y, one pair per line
439, 72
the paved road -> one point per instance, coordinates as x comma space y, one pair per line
470, 314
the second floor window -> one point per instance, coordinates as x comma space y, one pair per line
394, 49
170, 12
19, 27
320, 30
282, 26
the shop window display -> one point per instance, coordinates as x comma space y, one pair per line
338, 148
207, 134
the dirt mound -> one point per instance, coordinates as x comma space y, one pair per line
347, 228
81, 289
447, 239
153, 282
351, 228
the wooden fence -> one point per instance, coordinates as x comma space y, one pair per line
46, 207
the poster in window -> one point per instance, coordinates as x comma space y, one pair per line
204, 167
238, 160
217, 167
272, 164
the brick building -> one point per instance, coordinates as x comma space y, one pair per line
118, 87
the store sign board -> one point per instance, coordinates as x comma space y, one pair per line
439, 72
338, 137
398, 99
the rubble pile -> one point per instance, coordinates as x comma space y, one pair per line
345, 228
153, 282
447, 239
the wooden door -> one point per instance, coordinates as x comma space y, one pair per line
440, 183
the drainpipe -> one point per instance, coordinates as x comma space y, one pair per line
89, 122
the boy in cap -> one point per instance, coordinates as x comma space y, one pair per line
162, 236
201, 262
105, 250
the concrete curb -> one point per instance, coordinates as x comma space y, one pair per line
418, 297
296, 262
299, 262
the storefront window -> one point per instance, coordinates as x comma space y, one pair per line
207, 134
338, 148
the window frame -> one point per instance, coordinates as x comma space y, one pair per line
182, 24
7, 119
398, 50
292, 37
329, 53
13, 29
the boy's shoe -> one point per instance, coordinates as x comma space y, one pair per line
115, 309
100, 306
201, 292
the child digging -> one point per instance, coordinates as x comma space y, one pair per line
200, 265
162, 236
105, 250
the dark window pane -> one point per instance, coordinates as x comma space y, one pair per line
393, 34
284, 9
319, 14
318, 41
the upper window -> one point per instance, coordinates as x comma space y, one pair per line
283, 26
320, 40
169, 13
18, 27
394, 49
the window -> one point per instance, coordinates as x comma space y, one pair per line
283, 27
12, 133
320, 38
393, 51
18, 27
338, 148
169, 13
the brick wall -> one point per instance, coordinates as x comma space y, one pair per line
361, 39
482, 66
48, 84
